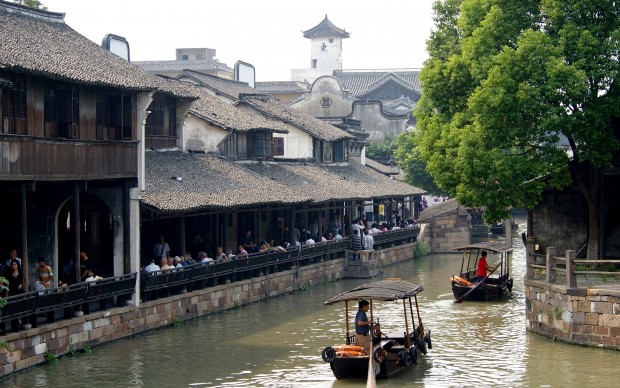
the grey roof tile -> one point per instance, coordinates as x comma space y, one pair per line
180, 182
221, 114
274, 108
325, 28
363, 81
40, 43
281, 87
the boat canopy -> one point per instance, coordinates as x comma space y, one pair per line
492, 246
382, 290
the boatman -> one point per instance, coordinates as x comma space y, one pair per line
362, 326
483, 267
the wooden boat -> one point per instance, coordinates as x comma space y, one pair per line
500, 228
497, 286
394, 351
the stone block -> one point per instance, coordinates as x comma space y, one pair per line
592, 318
579, 318
29, 362
609, 320
40, 348
602, 307
601, 330
78, 338
102, 322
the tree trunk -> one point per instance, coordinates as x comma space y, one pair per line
589, 180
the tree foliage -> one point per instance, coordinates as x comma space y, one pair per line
412, 166
506, 86
381, 150
32, 4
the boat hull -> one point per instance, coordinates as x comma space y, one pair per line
484, 292
357, 367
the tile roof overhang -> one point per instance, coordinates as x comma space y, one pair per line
216, 112
177, 182
307, 123
181, 183
40, 43
325, 28
335, 181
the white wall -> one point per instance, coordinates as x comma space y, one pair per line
297, 143
200, 136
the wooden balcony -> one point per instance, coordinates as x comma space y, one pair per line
29, 158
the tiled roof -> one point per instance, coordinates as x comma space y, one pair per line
325, 28
281, 87
198, 65
382, 168
272, 107
40, 43
442, 208
179, 182
362, 81
328, 182
217, 112
232, 89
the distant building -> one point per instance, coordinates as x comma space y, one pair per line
381, 100
197, 59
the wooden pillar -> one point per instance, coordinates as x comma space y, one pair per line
571, 277
550, 265
225, 244
126, 230
24, 233
75, 226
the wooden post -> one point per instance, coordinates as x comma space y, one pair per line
571, 277
75, 226
550, 265
530, 258
24, 233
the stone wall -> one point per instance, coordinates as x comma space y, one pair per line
588, 317
29, 347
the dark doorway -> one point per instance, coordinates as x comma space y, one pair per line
96, 234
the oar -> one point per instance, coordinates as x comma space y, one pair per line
371, 382
462, 298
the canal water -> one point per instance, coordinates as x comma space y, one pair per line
277, 343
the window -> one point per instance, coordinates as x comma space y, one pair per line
331, 40
277, 146
61, 112
184, 57
113, 117
316, 151
155, 120
172, 120
229, 147
314, 63
262, 144
327, 152
14, 108
326, 102
340, 151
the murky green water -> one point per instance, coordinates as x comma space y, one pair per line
277, 343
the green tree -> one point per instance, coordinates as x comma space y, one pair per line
381, 150
506, 84
32, 4
412, 166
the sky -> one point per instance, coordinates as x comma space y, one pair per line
266, 33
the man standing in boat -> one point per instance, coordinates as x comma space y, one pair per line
483, 267
362, 326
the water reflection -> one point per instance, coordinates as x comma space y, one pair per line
277, 343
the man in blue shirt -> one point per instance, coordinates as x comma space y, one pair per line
362, 326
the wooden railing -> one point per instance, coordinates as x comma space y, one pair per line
569, 270
27, 157
164, 283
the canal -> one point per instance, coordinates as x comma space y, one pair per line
277, 343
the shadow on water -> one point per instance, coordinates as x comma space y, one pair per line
277, 343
